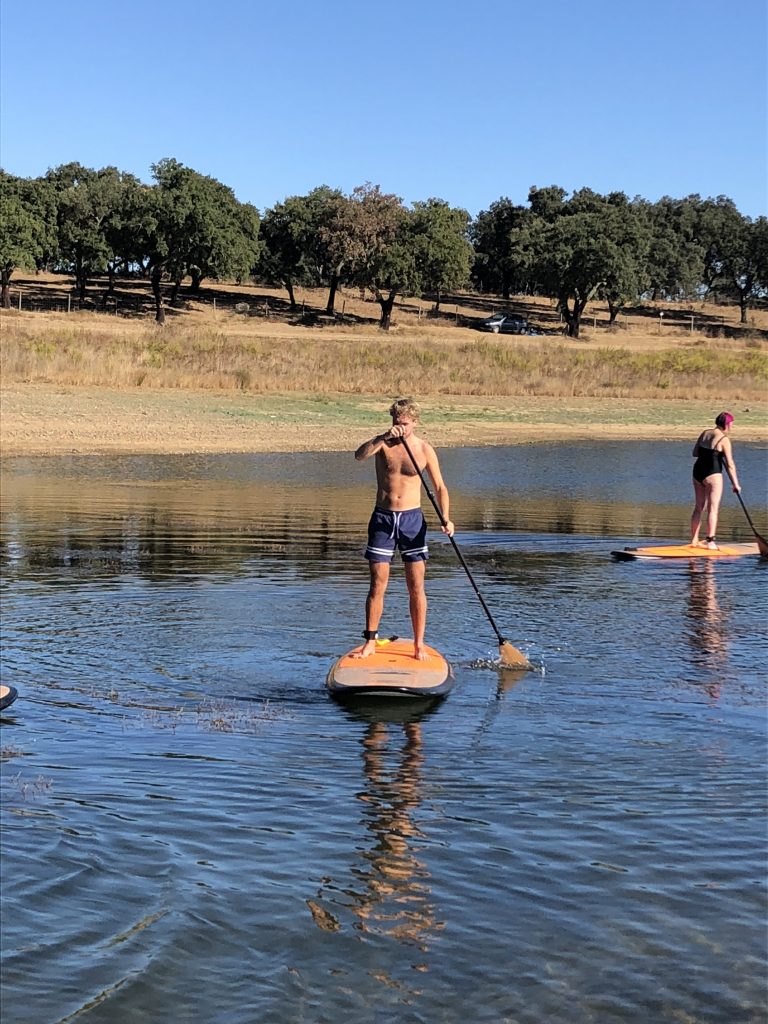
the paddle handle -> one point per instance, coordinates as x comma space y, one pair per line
444, 522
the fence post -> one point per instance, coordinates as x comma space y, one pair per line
19, 299
69, 303
214, 303
691, 325
457, 314
343, 307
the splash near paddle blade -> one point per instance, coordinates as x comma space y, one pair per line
511, 657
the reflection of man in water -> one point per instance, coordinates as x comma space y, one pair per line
394, 874
394, 894
708, 633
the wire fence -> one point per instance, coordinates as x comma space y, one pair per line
710, 324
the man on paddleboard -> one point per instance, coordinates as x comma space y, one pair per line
397, 520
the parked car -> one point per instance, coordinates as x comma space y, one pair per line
506, 323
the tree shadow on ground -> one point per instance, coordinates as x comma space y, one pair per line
714, 325
131, 298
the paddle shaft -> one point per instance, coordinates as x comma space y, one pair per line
762, 543
444, 522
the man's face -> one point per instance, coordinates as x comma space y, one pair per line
406, 422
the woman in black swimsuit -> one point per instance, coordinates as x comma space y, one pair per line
712, 451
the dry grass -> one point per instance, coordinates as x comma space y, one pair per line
268, 349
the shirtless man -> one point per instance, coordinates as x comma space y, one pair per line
397, 520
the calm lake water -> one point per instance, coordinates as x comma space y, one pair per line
194, 832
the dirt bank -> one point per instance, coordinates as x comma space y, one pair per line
51, 419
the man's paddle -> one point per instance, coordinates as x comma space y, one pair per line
762, 543
510, 656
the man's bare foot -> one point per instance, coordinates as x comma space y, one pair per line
712, 545
419, 653
366, 650
697, 544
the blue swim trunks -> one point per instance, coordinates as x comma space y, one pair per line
406, 531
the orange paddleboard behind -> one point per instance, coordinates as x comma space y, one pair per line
686, 551
391, 671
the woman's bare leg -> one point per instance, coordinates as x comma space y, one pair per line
700, 492
714, 485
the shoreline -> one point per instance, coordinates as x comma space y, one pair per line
50, 420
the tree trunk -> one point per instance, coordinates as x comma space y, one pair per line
289, 288
110, 292
437, 303
386, 304
613, 311
572, 316
332, 293
157, 277
197, 278
5, 281
81, 279
744, 303
175, 291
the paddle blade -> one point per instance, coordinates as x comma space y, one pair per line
511, 657
762, 543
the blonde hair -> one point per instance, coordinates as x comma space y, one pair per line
405, 407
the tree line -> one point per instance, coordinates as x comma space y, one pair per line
573, 249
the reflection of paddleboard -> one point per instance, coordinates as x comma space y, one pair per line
391, 671
686, 551
8, 695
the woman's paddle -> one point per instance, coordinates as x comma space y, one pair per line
510, 656
762, 543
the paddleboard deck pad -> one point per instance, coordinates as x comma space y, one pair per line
686, 551
391, 671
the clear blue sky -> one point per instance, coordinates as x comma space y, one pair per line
466, 101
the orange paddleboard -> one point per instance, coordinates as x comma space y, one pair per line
8, 695
391, 671
686, 551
